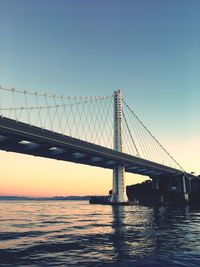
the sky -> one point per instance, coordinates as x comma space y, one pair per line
150, 49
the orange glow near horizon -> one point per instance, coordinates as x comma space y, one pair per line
23, 175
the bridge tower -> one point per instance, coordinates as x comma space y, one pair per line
118, 192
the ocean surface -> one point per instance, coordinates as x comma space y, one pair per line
75, 233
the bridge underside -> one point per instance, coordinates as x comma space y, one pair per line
26, 139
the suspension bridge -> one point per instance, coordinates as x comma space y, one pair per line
101, 131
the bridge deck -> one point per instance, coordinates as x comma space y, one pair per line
27, 139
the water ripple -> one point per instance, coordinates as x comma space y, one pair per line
76, 233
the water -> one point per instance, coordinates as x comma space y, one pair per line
74, 233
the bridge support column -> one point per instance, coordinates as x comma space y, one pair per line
156, 186
185, 194
118, 192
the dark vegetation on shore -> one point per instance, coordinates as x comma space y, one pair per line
144, 193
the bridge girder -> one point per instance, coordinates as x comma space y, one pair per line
40, 142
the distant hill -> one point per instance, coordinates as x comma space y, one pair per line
13, 198
45, 198
71, 198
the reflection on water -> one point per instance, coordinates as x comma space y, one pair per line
68, 233
161, 231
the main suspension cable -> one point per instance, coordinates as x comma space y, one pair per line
152, 135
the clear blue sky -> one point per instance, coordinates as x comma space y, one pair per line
148, 48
